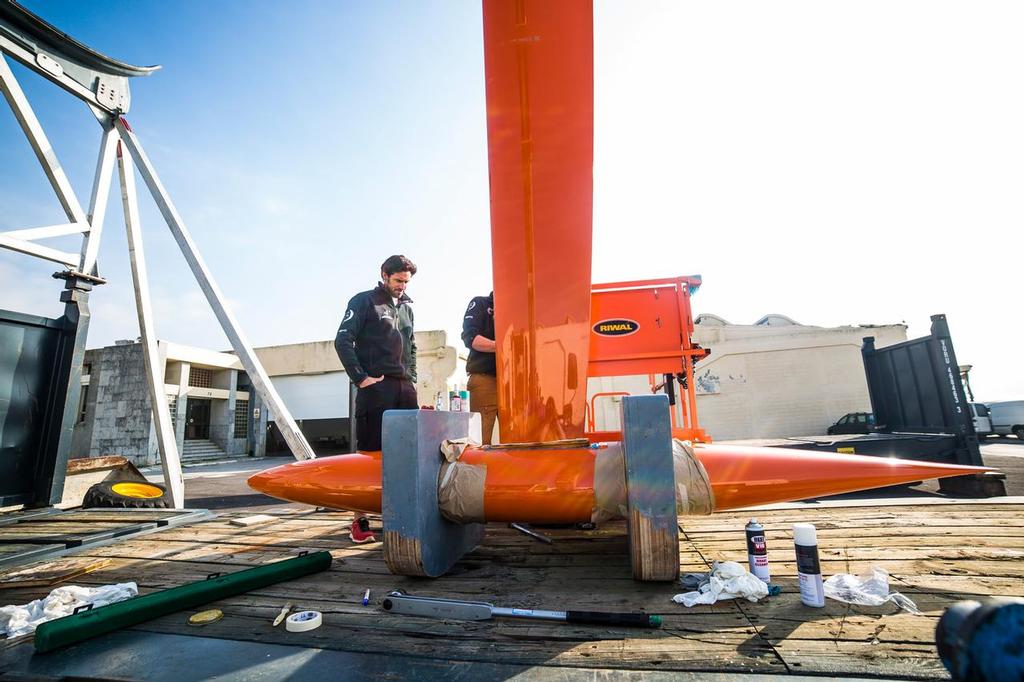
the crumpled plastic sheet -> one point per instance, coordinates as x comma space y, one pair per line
727, 580
868, 589
21, 620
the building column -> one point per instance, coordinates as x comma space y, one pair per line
181, 406
232, 395
257, 425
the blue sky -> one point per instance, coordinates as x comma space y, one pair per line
840, 163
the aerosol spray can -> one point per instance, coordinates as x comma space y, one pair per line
808, 566
757, 551
464, 396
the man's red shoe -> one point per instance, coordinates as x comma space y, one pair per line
360, 531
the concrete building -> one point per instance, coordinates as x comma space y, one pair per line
313, 384
771, 379
213, 409
207, 392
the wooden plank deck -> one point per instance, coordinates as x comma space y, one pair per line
27, 536
936, 555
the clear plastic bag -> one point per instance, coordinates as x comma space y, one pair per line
867, 589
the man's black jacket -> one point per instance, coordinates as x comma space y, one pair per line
479, 319
376, 337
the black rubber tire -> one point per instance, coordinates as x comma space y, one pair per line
1019, 432
102, 495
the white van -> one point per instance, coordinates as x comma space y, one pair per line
1007, 418
980, 417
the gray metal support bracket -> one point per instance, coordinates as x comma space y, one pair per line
418, 540
650, 487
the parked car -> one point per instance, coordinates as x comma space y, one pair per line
1007, 417
853, 422
980, 417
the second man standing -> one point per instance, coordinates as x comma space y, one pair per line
478, 335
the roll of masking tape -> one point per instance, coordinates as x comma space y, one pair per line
303, 621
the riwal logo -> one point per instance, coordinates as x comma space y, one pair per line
617, 327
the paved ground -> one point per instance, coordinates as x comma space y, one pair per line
222, 485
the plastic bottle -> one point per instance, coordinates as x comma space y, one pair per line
439, 402
464, 397
808, 566
456, 402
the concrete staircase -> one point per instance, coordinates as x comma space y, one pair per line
201, 451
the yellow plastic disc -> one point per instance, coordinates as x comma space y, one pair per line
205, 617
143, 490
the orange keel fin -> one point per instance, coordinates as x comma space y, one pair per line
539, 69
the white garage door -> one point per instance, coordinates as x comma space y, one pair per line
314, 396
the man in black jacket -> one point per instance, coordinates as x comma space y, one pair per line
478, 335
377, 346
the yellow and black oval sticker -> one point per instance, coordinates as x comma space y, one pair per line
616, 327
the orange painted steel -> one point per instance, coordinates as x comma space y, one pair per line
557, 486
646, 327
539, 75
591, 417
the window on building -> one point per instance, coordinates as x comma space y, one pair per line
83, 401
172, 407
200, 377
241, 418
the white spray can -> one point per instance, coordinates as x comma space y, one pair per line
808, 566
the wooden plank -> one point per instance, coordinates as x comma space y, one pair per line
60, 526
910, 540
51, 572
877, 553
934, 563
17, 553
71, 535
828, 657
126, 516
254, 520
524, 643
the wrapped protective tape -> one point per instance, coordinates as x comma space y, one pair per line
693, 487
303, 621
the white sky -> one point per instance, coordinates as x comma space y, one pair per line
839, 163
